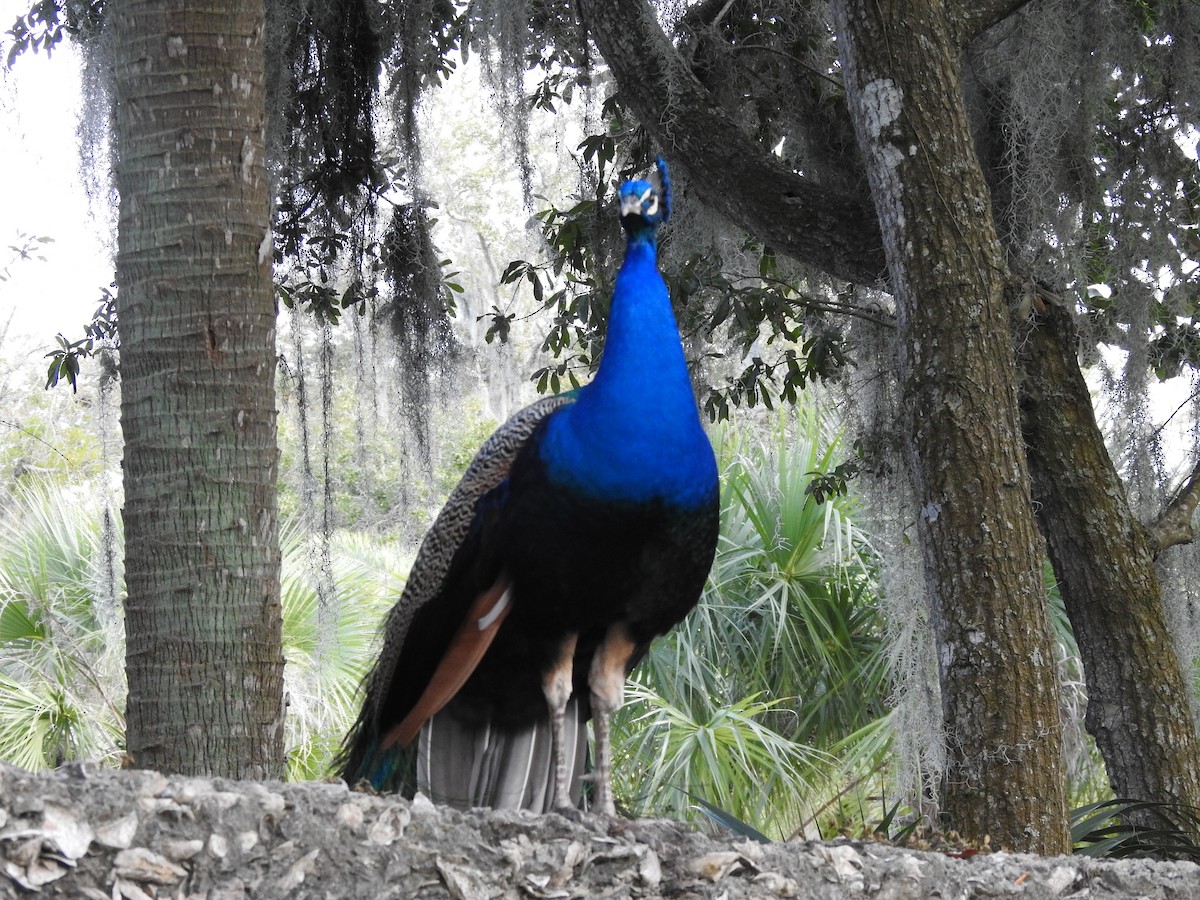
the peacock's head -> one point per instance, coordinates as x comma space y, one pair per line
641, 205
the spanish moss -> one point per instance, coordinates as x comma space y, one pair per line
417, 314
919, 738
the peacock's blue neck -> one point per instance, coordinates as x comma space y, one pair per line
643, 369
634, 434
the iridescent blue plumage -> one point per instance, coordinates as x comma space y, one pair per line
583, 530
634, 433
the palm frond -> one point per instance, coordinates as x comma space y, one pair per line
328, 650
1123, 828
782, 659
726, 755
62, 688
61, 665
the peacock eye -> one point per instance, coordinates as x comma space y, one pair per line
652, 205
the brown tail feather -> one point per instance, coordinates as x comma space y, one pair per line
471, 641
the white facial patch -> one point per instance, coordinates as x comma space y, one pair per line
652, 206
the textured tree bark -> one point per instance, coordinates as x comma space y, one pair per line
1104, 559
204, 661
982, 554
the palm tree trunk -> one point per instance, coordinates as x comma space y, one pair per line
197, 322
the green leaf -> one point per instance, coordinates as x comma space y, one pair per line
17, 624
729, 821
515, 271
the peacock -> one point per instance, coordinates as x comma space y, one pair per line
583, 528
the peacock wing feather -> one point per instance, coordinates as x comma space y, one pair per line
400, 675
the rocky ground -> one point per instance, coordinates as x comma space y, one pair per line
85, 831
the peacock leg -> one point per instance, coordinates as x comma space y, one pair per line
607, 681
557, 687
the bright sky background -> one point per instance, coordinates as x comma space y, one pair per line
43, 195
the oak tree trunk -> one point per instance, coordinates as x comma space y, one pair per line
1004, 770
1138, 698
204, 661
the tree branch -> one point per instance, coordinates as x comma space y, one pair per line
828, 229
1174, 526
977, 16
704, 14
